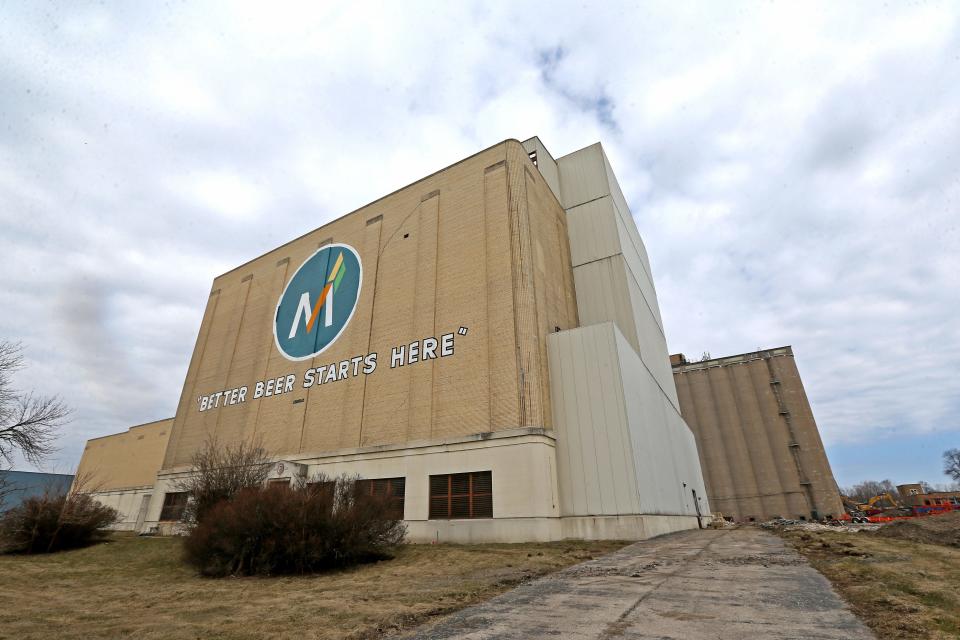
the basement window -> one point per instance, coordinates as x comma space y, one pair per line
461, 496
394, 489
174, 505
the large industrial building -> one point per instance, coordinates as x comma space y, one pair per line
122, 468
485, 344
759, 446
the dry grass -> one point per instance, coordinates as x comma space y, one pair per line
138, 588
899, 588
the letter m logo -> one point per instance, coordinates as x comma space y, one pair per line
325, 302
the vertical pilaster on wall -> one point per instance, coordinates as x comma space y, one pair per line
351, 428
504, 398
246, 283
283, 269
524, 293
189, 396
420, 422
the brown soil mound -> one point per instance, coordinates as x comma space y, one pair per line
940, 529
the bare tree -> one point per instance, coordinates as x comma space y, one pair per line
220, 472
951, 463
28, 422
867, 489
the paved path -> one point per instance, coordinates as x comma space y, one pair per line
734, 583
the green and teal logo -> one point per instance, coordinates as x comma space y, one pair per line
318, 302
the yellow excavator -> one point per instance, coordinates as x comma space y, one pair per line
871, 504
877, 504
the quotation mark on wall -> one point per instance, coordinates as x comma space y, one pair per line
462, 331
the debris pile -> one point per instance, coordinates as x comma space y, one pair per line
808, 525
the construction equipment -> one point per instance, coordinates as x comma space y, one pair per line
870, 506
852, 508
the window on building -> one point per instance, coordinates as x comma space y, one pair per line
394, 489
325, 485
279, 482
173, 506
461, 495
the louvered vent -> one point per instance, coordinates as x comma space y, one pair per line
461, 496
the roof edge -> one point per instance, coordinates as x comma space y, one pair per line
369, 204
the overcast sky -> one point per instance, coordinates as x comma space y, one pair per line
794, 170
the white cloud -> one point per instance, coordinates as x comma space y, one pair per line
223, 193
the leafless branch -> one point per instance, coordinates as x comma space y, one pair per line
28, 422
219, 472
951, 463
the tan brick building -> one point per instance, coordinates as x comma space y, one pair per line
122, 469
486, 340
759, 446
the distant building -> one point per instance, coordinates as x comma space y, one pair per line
484, 345
913, 495
17, 486
122, 468
759, 447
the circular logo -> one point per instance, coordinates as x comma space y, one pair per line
318, 302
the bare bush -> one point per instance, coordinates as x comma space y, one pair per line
293, 530
54, 522
220, 472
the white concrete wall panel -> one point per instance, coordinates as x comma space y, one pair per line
652, 344
601, 288
616, 297
594, 467
613, 421
626, 216
127, 503
582, 176
607, 291
636, 256
593, 232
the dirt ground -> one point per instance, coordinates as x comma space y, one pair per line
898, 582
942, 529
138, 588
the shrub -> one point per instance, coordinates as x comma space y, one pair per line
283, 530
54, 522
220, 472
